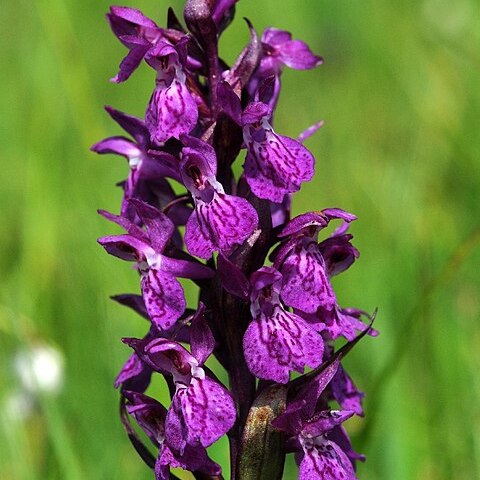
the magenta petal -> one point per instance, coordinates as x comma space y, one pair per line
221, 224
175, 428
125, 247
276, 166
275, 36
346, 393
197, 237
296, 54
201, 338
302, 407
254, 112
194, 459
325, 421
135, 375
160, 228
118, 146
133, 125
186, 268
325, 461
309, 219
172, 111
305, 282
276, 344
133, 15
138, 48
164, 298
208, 411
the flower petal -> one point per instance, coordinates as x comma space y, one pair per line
305, 282
276, 166
326, 461
164, 298
172, 111
134, 375
208, 411
279, 343
296, 54
224, 222
201, 338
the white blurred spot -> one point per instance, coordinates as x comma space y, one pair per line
40, 369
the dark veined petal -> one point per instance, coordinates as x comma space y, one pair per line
164, 298
172, 111
306, 285
277, 344
325, 460
208, 411
276, 166
221, 224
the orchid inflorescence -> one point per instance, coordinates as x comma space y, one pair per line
260, 321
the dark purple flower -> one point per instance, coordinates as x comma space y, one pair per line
137, 32
306, 285
320, 458
162, 293
277, 341
275, 165
202, 410
172, 110
219, 221
148, 168
151, 417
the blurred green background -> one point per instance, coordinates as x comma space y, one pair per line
399, 92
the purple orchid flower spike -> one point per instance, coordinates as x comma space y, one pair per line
202, 410
162, 293
137, 32
151, 417
277, 341
275, 165
148, 167
219, 221
319, 457
172, 110
306, 283
267, 306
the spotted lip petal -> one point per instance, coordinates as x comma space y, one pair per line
164, 298
172, 111
220, 225
219, 221
305, 282
276, 344
325, 460
208, 411
276, 165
